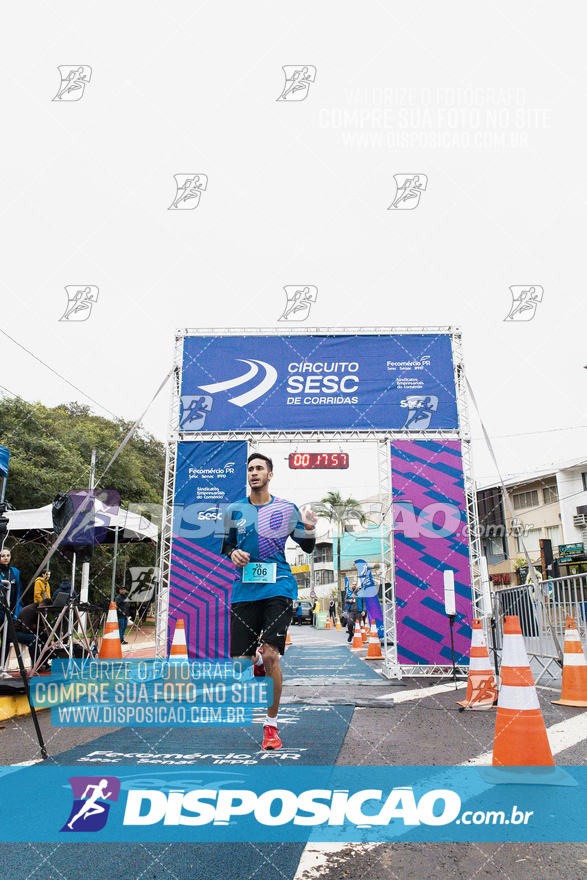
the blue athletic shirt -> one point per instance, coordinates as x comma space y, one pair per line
262, 531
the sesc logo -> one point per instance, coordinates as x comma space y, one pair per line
211, 513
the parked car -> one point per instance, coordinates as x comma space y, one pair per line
306, 612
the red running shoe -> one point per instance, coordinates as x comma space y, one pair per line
259, 671
271, 738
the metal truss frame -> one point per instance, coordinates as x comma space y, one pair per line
383, 439
473, 530
162, 604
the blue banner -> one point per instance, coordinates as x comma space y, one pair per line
370, 595
394, 382
4, 456
93, 804
209, 477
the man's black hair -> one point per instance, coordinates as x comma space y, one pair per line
262, 457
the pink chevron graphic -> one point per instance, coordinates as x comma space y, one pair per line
420, 559
200, 585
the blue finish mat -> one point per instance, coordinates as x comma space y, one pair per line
325, 661
310, 735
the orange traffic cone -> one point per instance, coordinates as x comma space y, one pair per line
574, 690
481, 686
288, 640
357, 637
520, 732
338, 626
111, 649
179, 648
328, 624
374, 647
364, 635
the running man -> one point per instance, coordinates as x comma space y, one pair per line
256, 530
74, 81
420, 412
301, 300
300, 79
189, 190
410, 190
91, 808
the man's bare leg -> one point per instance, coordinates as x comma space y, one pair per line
273, 670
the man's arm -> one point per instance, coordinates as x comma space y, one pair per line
229, 538
303, 528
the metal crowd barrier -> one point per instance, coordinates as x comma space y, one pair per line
543, 617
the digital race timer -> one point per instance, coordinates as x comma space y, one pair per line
318, 460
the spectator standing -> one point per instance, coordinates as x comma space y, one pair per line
11, 586
122, 610
354, 610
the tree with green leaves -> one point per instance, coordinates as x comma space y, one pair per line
340, 512
50, 453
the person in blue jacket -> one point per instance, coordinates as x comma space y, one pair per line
10, 586
9, 583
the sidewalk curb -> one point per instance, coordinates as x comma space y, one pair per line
12, 707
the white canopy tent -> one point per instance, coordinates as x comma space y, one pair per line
132, 526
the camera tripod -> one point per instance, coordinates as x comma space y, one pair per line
12, 638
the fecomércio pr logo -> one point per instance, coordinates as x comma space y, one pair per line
91, 796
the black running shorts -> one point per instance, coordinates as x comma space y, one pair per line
251, 623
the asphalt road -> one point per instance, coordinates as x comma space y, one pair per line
423, 729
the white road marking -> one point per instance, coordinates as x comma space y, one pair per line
420, 693
315, 856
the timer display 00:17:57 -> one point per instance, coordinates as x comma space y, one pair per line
318, 460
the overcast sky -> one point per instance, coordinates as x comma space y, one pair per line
298, 193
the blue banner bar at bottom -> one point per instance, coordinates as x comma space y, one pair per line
309, 803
